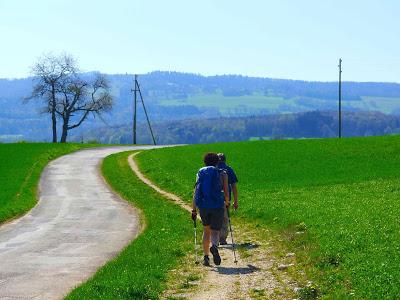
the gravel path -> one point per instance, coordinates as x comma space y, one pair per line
76, 227
253, 277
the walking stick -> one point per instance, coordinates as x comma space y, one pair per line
230, 228
195, 242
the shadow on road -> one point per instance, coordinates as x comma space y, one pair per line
247, 246
237, 270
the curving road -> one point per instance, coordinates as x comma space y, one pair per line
76, 227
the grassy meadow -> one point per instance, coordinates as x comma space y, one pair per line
20, 167
334, 203
225, 103
140, 270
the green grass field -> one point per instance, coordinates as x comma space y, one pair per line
140, 270
345, 192
20, 167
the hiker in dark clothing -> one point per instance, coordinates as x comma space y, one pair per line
211, 201
232, 184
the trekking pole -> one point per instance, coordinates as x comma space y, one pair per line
230, 228
195, 242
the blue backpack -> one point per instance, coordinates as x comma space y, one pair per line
208, 188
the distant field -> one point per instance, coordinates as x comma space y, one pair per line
382, 104
20, 168
237, 106
256, 103
225, 102
345, 192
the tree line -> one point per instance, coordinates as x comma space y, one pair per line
177, 85
315, 124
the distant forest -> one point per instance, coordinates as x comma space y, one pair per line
314, 124
175, 85
192, 105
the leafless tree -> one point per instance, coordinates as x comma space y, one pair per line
67, 94
50, 71
79, 98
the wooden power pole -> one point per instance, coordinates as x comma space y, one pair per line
134, 111
137, 90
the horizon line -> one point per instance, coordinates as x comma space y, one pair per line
214, 75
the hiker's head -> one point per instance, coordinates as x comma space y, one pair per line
211, 159
221, 157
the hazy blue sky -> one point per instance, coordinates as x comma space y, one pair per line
281, 38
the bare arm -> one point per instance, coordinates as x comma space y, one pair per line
194, 211
235, 195
226, 189
194, 200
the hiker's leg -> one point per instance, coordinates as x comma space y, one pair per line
216, 224
225, 228
206, 239
215, 237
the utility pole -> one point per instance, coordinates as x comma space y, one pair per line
340, 97
137, 90
134, 111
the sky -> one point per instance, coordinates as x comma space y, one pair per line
280, 39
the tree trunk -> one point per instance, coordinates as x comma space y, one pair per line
53, 113
64, 130
54, 122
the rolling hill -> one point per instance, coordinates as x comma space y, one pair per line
173, 96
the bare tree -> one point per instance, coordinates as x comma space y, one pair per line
49, 73
79, 98
66, 94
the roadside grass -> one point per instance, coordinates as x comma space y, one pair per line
333, 202
140, 271
20, 167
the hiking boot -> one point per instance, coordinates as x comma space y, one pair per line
223, 242
215, 254
206, 261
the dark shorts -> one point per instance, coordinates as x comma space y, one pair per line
212, 217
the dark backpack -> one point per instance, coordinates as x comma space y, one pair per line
208, 188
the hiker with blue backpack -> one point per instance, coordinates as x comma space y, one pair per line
232, 186
211, 197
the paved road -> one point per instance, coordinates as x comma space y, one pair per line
77, 226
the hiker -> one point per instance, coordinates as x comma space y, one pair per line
232, 186
211, 201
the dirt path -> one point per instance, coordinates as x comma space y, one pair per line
255, 276
61, 242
